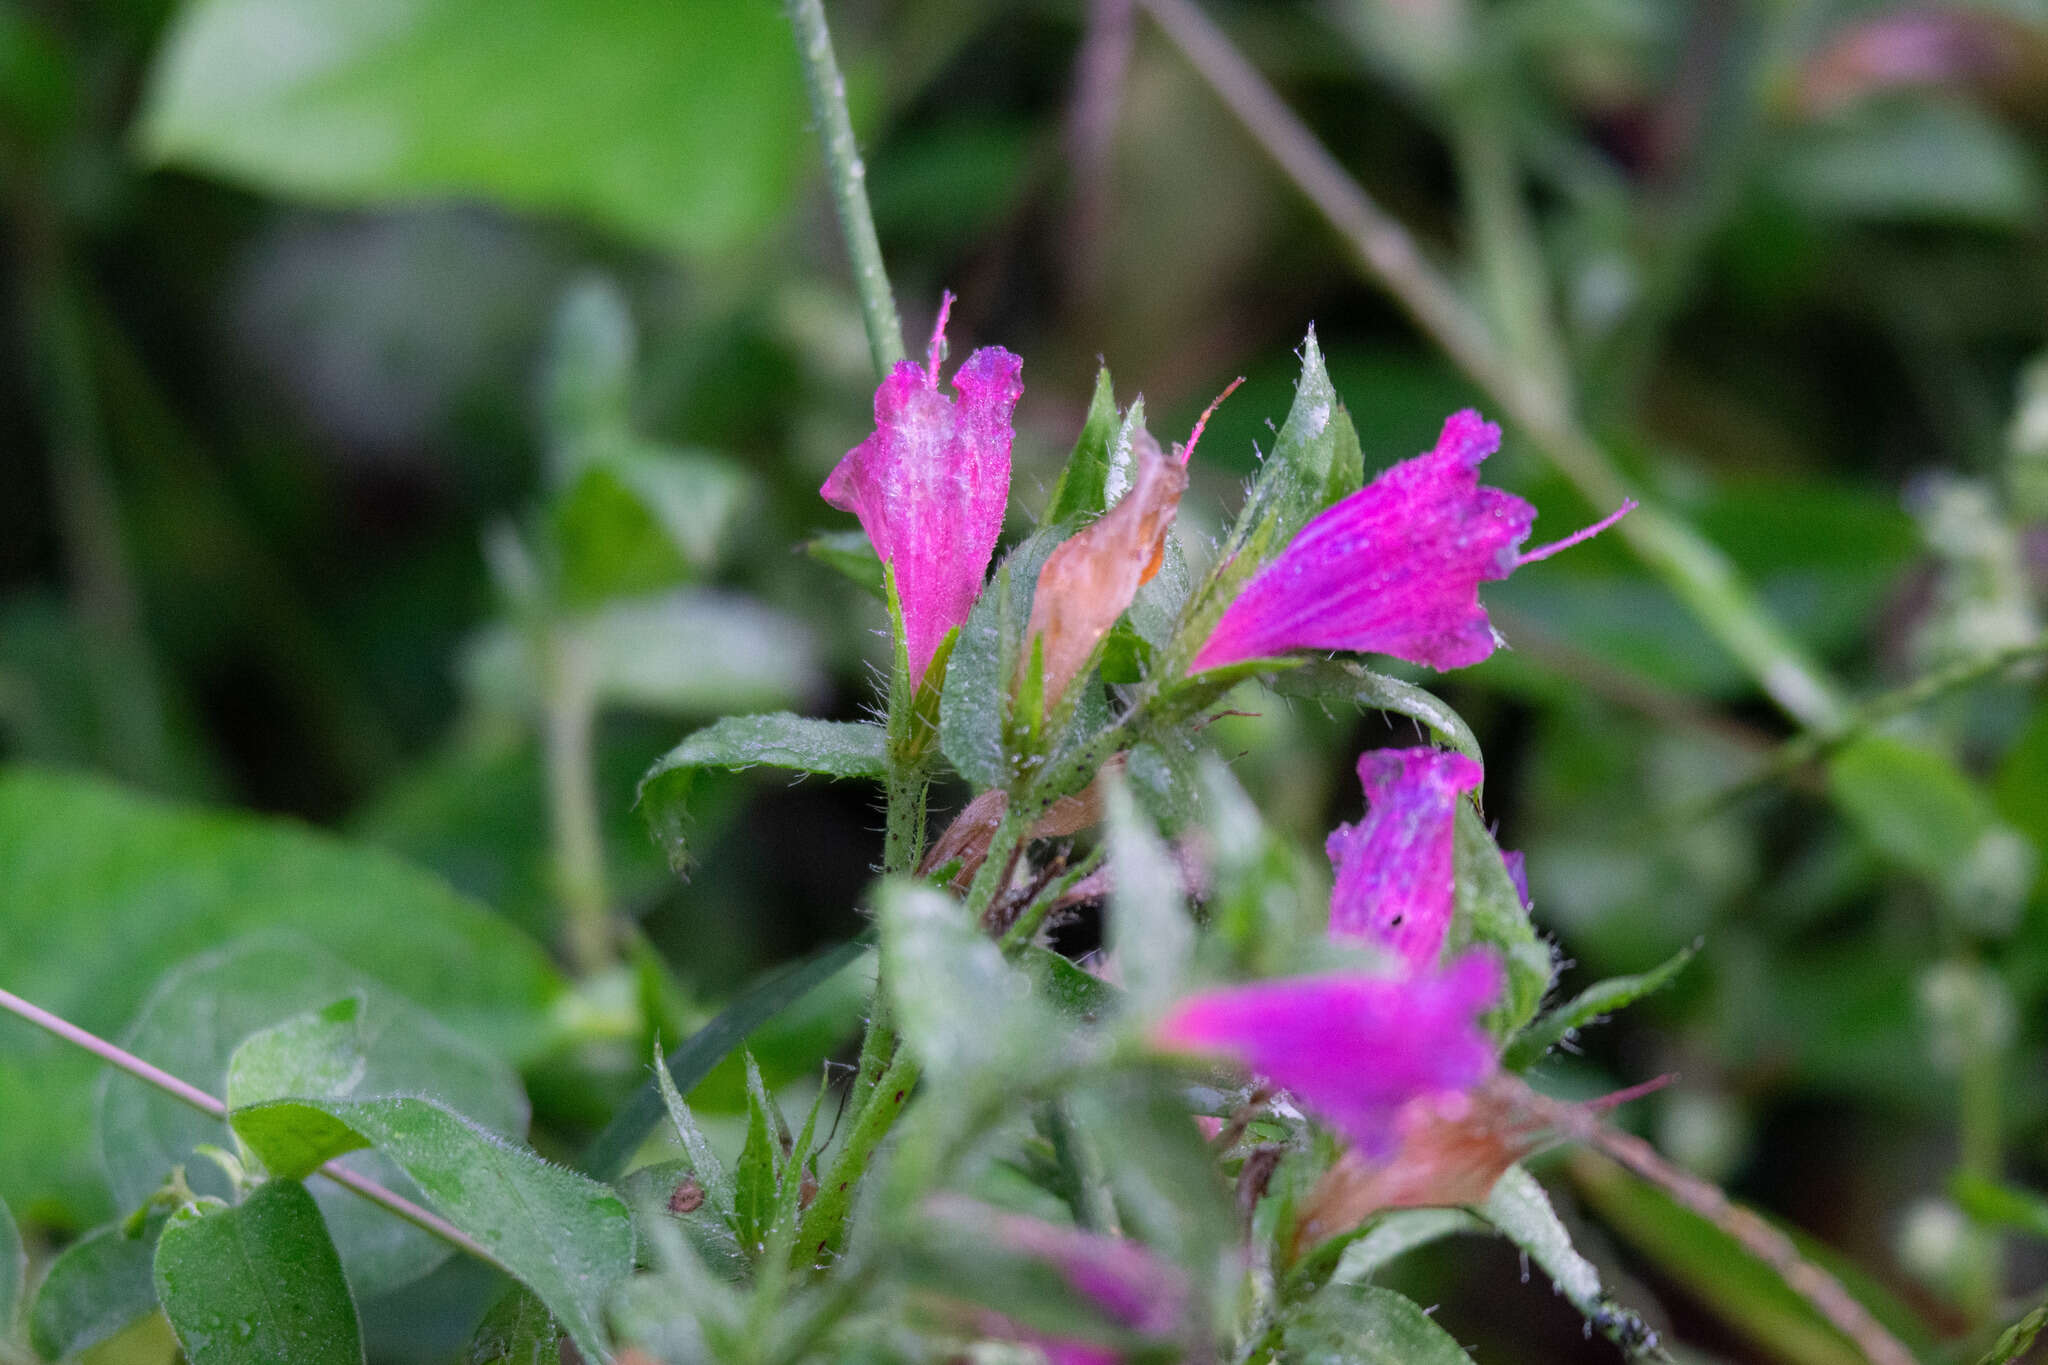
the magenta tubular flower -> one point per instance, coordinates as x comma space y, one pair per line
1396, 869
931, 483
1353, 1048
1394, 568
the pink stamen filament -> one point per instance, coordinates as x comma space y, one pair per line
936, 351
1628, 505
1201, 423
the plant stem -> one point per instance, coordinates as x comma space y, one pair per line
1980, 1155
827, 89
1698, 572
570, 716
188, 1093
903, 839
824, 1223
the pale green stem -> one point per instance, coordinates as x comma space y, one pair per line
187, 1093
827, 89
568, 721
1981, 1155
1699, 573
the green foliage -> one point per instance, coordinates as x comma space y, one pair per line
1520, 1210
96, 1288
294, 1103
1357, 685
1361, 1324
963, 1011
87, 871
832, 748
976, 721
204, 1008
403, 102
1083, 488
1490, 912
2015, 1341
13, 1273
256, 1282
517, 1331
1596, 1002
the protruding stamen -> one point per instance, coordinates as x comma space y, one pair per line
936, 351
1628, 505
1187, 451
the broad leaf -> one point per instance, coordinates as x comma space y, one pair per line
1362, 1324
99, 1286
851, 555
961, 1008
1597, 1001
1490, 912
257, 1282
403, 100
1521, 1210
518, 1330
833, 748
101, 892
1083, 488
1149, 927
191, 1026
643, 518
567, 1238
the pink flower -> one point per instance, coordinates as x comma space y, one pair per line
1353, 1048
1396, 869
931, 483
1394, 568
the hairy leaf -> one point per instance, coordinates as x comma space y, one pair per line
1362, 1324
1348, 681
257, 1282
518, 1330
1597, 1001
1490, 913
99, 1286
1083, 488
1520, 1209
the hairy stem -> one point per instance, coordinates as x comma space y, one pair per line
1699, 573
824, 1225
827, 89
187, 1093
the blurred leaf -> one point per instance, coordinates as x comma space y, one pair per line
963, 1011
592, 354
1597, 1001
1149, 928
644, 518
1083, 485
1071, 990
96, 1288
1395, 1234
1490, 912
567, 1238
834, 748
257, 1282
517, 1331
852, 555
13, 1273
205, 1007
710, 1045
1917, 160
2000, 1205
101, 892
677, 125
1361, 1324
1169, 1193
1520, 1209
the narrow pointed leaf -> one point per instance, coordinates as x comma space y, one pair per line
1520, 1209
1083, 486
1597, 1001
257, 1282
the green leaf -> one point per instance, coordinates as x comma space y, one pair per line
567, 1238
709, 1046
99, 1286
399, 102
1168, 1189
1073, 992
518, 1330
1361, 1324
1912, 160
1084, 482
1489, 911
974, 712
643, 518
257, 1282
2000, 1205
660, 1196
835, 748
1315, 461
1355, 683
709, 1171
1916, 809
754, 1181
1520, 1209
1597, 1001
1395, 1234
205, 1007
851, 555
1150, 930
961, 1008
13, 1273
101, 892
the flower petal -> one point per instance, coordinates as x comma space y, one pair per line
930, 485
1396, 882
1392, 569
1353, 1048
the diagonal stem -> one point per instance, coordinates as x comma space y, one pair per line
187, 1093
1693, 567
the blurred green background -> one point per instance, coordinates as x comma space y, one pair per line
355, 352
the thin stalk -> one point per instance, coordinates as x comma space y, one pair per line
1980, 1155
819, 1233
570, 716
187, 1093
1704, 578
903, 837
827, 89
